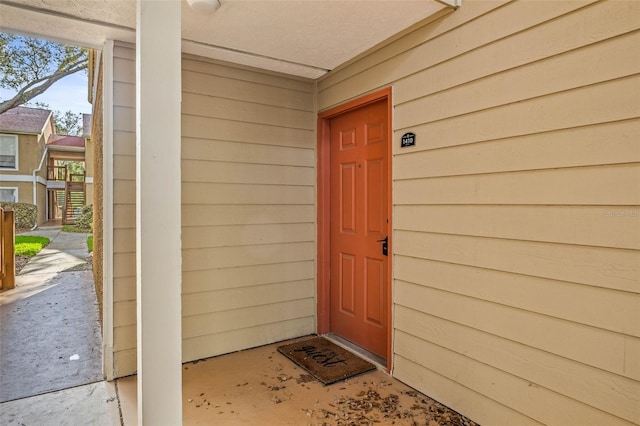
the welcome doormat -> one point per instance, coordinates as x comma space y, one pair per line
326, 361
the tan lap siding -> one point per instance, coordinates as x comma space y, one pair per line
248, 235
124, 210
248, 209
517, 213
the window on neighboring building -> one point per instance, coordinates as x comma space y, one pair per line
9, 195
9, 152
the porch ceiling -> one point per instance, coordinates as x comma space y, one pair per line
306, 38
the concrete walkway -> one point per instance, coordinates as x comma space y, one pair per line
49, 330
94, 404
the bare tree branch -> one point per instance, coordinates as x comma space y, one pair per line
30, 66
29, 91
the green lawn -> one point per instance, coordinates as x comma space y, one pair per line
71, 228
27, 245
90, 243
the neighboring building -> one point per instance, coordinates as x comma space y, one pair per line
24, 133
32, 170
510, 284
66, 187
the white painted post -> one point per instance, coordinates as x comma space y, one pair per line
107, 216
158, 204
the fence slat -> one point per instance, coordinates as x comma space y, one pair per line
2, 268
8, 250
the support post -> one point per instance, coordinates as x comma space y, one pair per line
8, 273
158, 212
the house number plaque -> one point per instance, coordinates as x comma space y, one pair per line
408, 139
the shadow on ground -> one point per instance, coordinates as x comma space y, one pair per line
49, 330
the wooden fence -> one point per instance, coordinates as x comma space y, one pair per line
7, 246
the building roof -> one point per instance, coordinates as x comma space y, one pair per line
24, 120
64, 141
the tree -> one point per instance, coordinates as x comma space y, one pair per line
68, 123
74, 167
29, 66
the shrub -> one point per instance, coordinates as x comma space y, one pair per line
27, 245
26, 214
85, 218
90, 243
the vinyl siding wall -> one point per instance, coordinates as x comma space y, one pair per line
124, 209
517, 214
248, 209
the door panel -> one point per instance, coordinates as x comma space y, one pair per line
359, 186
347, 284
375, 208
348, 197
374, 290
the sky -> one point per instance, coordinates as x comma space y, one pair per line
69, 93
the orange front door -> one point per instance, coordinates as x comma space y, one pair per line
359, 224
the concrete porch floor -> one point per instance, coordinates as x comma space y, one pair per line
254, 387
261, 386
